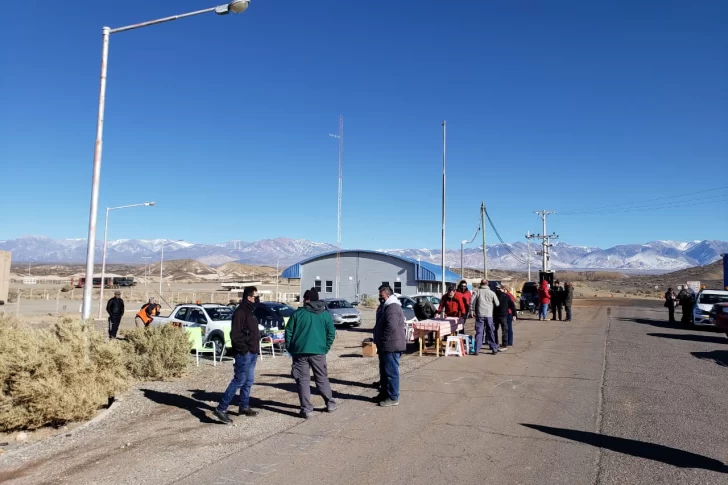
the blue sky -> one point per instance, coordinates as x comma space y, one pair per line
224, 121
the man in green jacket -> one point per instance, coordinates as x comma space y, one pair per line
310, 334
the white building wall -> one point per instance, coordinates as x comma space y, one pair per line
361, 274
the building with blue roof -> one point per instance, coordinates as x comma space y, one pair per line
364, 271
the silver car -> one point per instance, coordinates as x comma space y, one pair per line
343, 312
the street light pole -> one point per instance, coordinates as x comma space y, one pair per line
103, 259
235, 6
444, 139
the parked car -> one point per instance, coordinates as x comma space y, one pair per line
435, 300
343, 312
529, 295
719, 316
408, 307
215, 320
704, 302
272, 314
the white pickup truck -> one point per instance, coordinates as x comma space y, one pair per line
214, 319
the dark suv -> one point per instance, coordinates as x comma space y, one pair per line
529, 295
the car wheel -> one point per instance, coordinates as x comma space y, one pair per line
219, 344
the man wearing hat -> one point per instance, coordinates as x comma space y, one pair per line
309, 336
115, 309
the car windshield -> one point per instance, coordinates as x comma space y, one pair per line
282, 310
339, 304
711, 299
220, 313
532, 288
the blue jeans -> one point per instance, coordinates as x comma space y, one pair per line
543, 310
480, 323
244, 369
568, 313
389, 374
510, 330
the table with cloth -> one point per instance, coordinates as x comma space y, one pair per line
441, 327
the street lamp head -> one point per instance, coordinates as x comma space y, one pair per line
465, 241
149, 203
236, 6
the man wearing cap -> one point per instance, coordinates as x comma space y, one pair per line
310, 334
389, 337
481, 305
115, 309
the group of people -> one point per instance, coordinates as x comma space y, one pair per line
309, 336
115, 310
557, 297
686, 300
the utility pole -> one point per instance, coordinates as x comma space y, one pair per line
340, 136
545, 240
485, 253
529, 236
444, 139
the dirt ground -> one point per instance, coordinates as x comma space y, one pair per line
159, 431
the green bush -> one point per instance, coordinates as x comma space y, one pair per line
156, 352
55, 375
69, 371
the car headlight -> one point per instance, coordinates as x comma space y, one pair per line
337, 317
724, 309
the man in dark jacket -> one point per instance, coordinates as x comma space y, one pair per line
670, 302
424, 309
568, 299
500, 316
245, 338
557, 300
115, 309
309, 336
389, 337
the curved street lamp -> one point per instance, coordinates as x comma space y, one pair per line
235, 6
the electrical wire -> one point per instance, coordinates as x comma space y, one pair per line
667, 205
627, 205
517, 258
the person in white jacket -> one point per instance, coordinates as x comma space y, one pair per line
481, 305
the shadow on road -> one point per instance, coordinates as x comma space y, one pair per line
332, 380
720, 357
711, 339
196, 408
265, 404
291, 387
639, 449
650, 321
354, 329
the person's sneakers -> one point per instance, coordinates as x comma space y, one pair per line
331, 407
493, 352
247, 412
388, 403
222, 416
379, 398
503, 348
304, 414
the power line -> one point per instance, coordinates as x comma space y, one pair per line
624, 204
666, 205
490, 221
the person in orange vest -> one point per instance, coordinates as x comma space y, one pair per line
145, 316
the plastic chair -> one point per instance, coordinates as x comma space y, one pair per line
467, 344
454, 346
267, 343
194, 337
228, 345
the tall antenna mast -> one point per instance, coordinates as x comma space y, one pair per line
340, 136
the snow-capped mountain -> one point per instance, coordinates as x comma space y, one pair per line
655, 255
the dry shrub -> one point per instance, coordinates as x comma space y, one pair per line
156, 352
55, 375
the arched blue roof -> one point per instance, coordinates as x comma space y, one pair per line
424, 270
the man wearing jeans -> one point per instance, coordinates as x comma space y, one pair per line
389, 337
481, 305
245, 338
309, 336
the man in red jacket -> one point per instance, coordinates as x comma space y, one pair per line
451, 305
544, 298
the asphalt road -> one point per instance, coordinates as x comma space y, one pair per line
615, 397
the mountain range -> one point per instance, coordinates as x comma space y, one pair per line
651, 256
